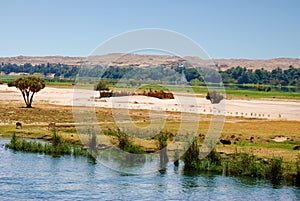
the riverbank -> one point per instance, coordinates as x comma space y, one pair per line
248, 132
29, 176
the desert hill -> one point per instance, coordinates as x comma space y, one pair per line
153, 60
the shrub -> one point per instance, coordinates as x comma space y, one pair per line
56, 139
123, 139
276, 170
101, 86
191, 156
214, 97
263, 88
11, 84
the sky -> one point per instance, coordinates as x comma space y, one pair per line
251, 29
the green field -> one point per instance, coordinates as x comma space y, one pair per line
231, 91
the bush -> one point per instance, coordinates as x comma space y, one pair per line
276, 170
123, 139
191, 156
263, 88
214, 97
101, 86
11, 84
56, 139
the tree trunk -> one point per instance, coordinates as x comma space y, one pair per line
29, 106
27, 98
24, 97
30, 101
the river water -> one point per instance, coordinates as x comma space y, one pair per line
26, 176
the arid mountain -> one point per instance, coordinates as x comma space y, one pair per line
267, 64
153, 60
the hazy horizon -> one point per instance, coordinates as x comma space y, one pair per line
148, 55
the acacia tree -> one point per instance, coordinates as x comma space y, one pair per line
28, 87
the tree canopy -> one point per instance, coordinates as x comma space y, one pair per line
28, 87
234, 75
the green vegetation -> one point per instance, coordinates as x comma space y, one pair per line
28, 87
234, 75
57, 148
58, 69
132, 153
101, 85
126, 144
298, 172
241, 164
277, 76
162, 147
261, 94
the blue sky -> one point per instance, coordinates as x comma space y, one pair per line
253, 29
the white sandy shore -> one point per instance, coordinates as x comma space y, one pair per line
258, 108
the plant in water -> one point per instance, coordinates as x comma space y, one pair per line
191, 156
162, 146
298, 172
123, 139
56, 148
13, 142
133, 152
56, 139
276, 170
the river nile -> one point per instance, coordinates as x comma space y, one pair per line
26, 176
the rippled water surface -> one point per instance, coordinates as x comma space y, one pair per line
26, 176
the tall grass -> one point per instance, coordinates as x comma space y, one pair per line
57, 147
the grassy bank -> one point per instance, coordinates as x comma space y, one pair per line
57, 146
243, 165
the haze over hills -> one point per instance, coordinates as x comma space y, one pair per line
117, 59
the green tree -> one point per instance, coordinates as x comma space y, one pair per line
28, 87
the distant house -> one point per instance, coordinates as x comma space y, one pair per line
50, 75
2, 73
62, 76
18, 74
40, 75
